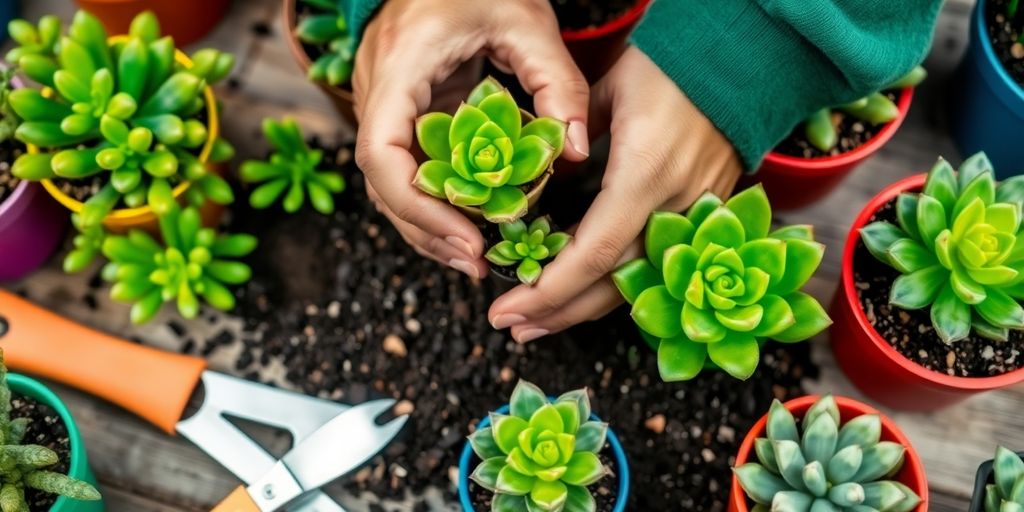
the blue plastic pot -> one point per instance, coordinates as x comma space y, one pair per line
621, 463
987, 109
8, 11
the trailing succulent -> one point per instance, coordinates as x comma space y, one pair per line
874, 108
193, 261
326, 27
1007, 493
22, 466
823, 465
542, 455
715, 283
292, 167
960, 249
526, 247
484, 156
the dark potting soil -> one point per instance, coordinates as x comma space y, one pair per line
8, 153
911, 332
45, 428
604, 491
853, 133
1004, 33
342, 308
581, 14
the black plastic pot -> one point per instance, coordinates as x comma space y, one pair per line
982, 478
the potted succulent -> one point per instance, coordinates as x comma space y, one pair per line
595, 32
716, 283
841, 455
320, 42
519, 255
998, 484
987, 105
542, 454
819, 154
929, 307
186, 21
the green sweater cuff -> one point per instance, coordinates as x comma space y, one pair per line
358, 14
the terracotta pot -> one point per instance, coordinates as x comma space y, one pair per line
185, 20
911, 474
340, 96
595, 49
870, 362
794, 182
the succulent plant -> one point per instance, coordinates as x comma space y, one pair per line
193, 261
542, 455
293, 166
874, 108
484, 156
715, 284
1007, 493
527, 246
960, 249
823, 465
327, 28
1015, 14
88, 244
36, 53
22, 466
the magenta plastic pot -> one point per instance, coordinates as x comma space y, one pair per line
32, 225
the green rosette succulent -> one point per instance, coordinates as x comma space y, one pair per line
526, 247
542, 455
825, 466
292, 167
192, 262
1006, 494
326, 28
960, 249
485, 156
716, 283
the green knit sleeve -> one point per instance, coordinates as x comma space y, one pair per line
358, 14
757, 68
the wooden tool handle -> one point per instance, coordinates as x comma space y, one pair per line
153, 384
238, 501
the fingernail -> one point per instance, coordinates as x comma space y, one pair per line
506, 320
464, 266
460, 244
531, 334
578, 137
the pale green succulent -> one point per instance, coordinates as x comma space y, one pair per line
1006, 494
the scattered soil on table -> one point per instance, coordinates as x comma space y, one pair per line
604, 491
911, 332
581, 14
8, 153
853, 133
1004, 33
45, 428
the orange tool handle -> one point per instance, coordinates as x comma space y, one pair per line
153, 384
238, 501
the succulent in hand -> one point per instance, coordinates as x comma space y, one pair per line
825, 465
326, 27
542, 455
484, 156
959, 246
1006, 494
193, 261
527, 246
293, 166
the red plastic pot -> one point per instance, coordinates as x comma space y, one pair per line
870, 362
595, 49
911, 474
185, 20
793, 182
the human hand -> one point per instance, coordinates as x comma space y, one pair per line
412, 45
665, 153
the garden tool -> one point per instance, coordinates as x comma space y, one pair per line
157, 386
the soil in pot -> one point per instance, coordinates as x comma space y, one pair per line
583, 14
853, 133
9, 152
911, 332
45, 428
1004, 33
605, 491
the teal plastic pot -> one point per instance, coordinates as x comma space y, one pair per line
79, 464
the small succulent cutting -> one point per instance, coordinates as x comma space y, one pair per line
22, 466
326, 27
292, 167
526, 247
875, 108
715, 283
542, 455
960, 249
484, 156
193, 261
1007, 493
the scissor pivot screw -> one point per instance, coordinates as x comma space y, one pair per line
268, 491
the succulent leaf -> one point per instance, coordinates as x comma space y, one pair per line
526, 247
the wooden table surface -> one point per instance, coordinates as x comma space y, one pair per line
142, 470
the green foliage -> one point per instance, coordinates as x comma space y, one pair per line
192, 262
484, 155
827, 466
960, 249
542, 455
874, 108
715, 283
292, 167
326, 28
22, 465
88, 244
527, 246
9, 120
1007, 493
